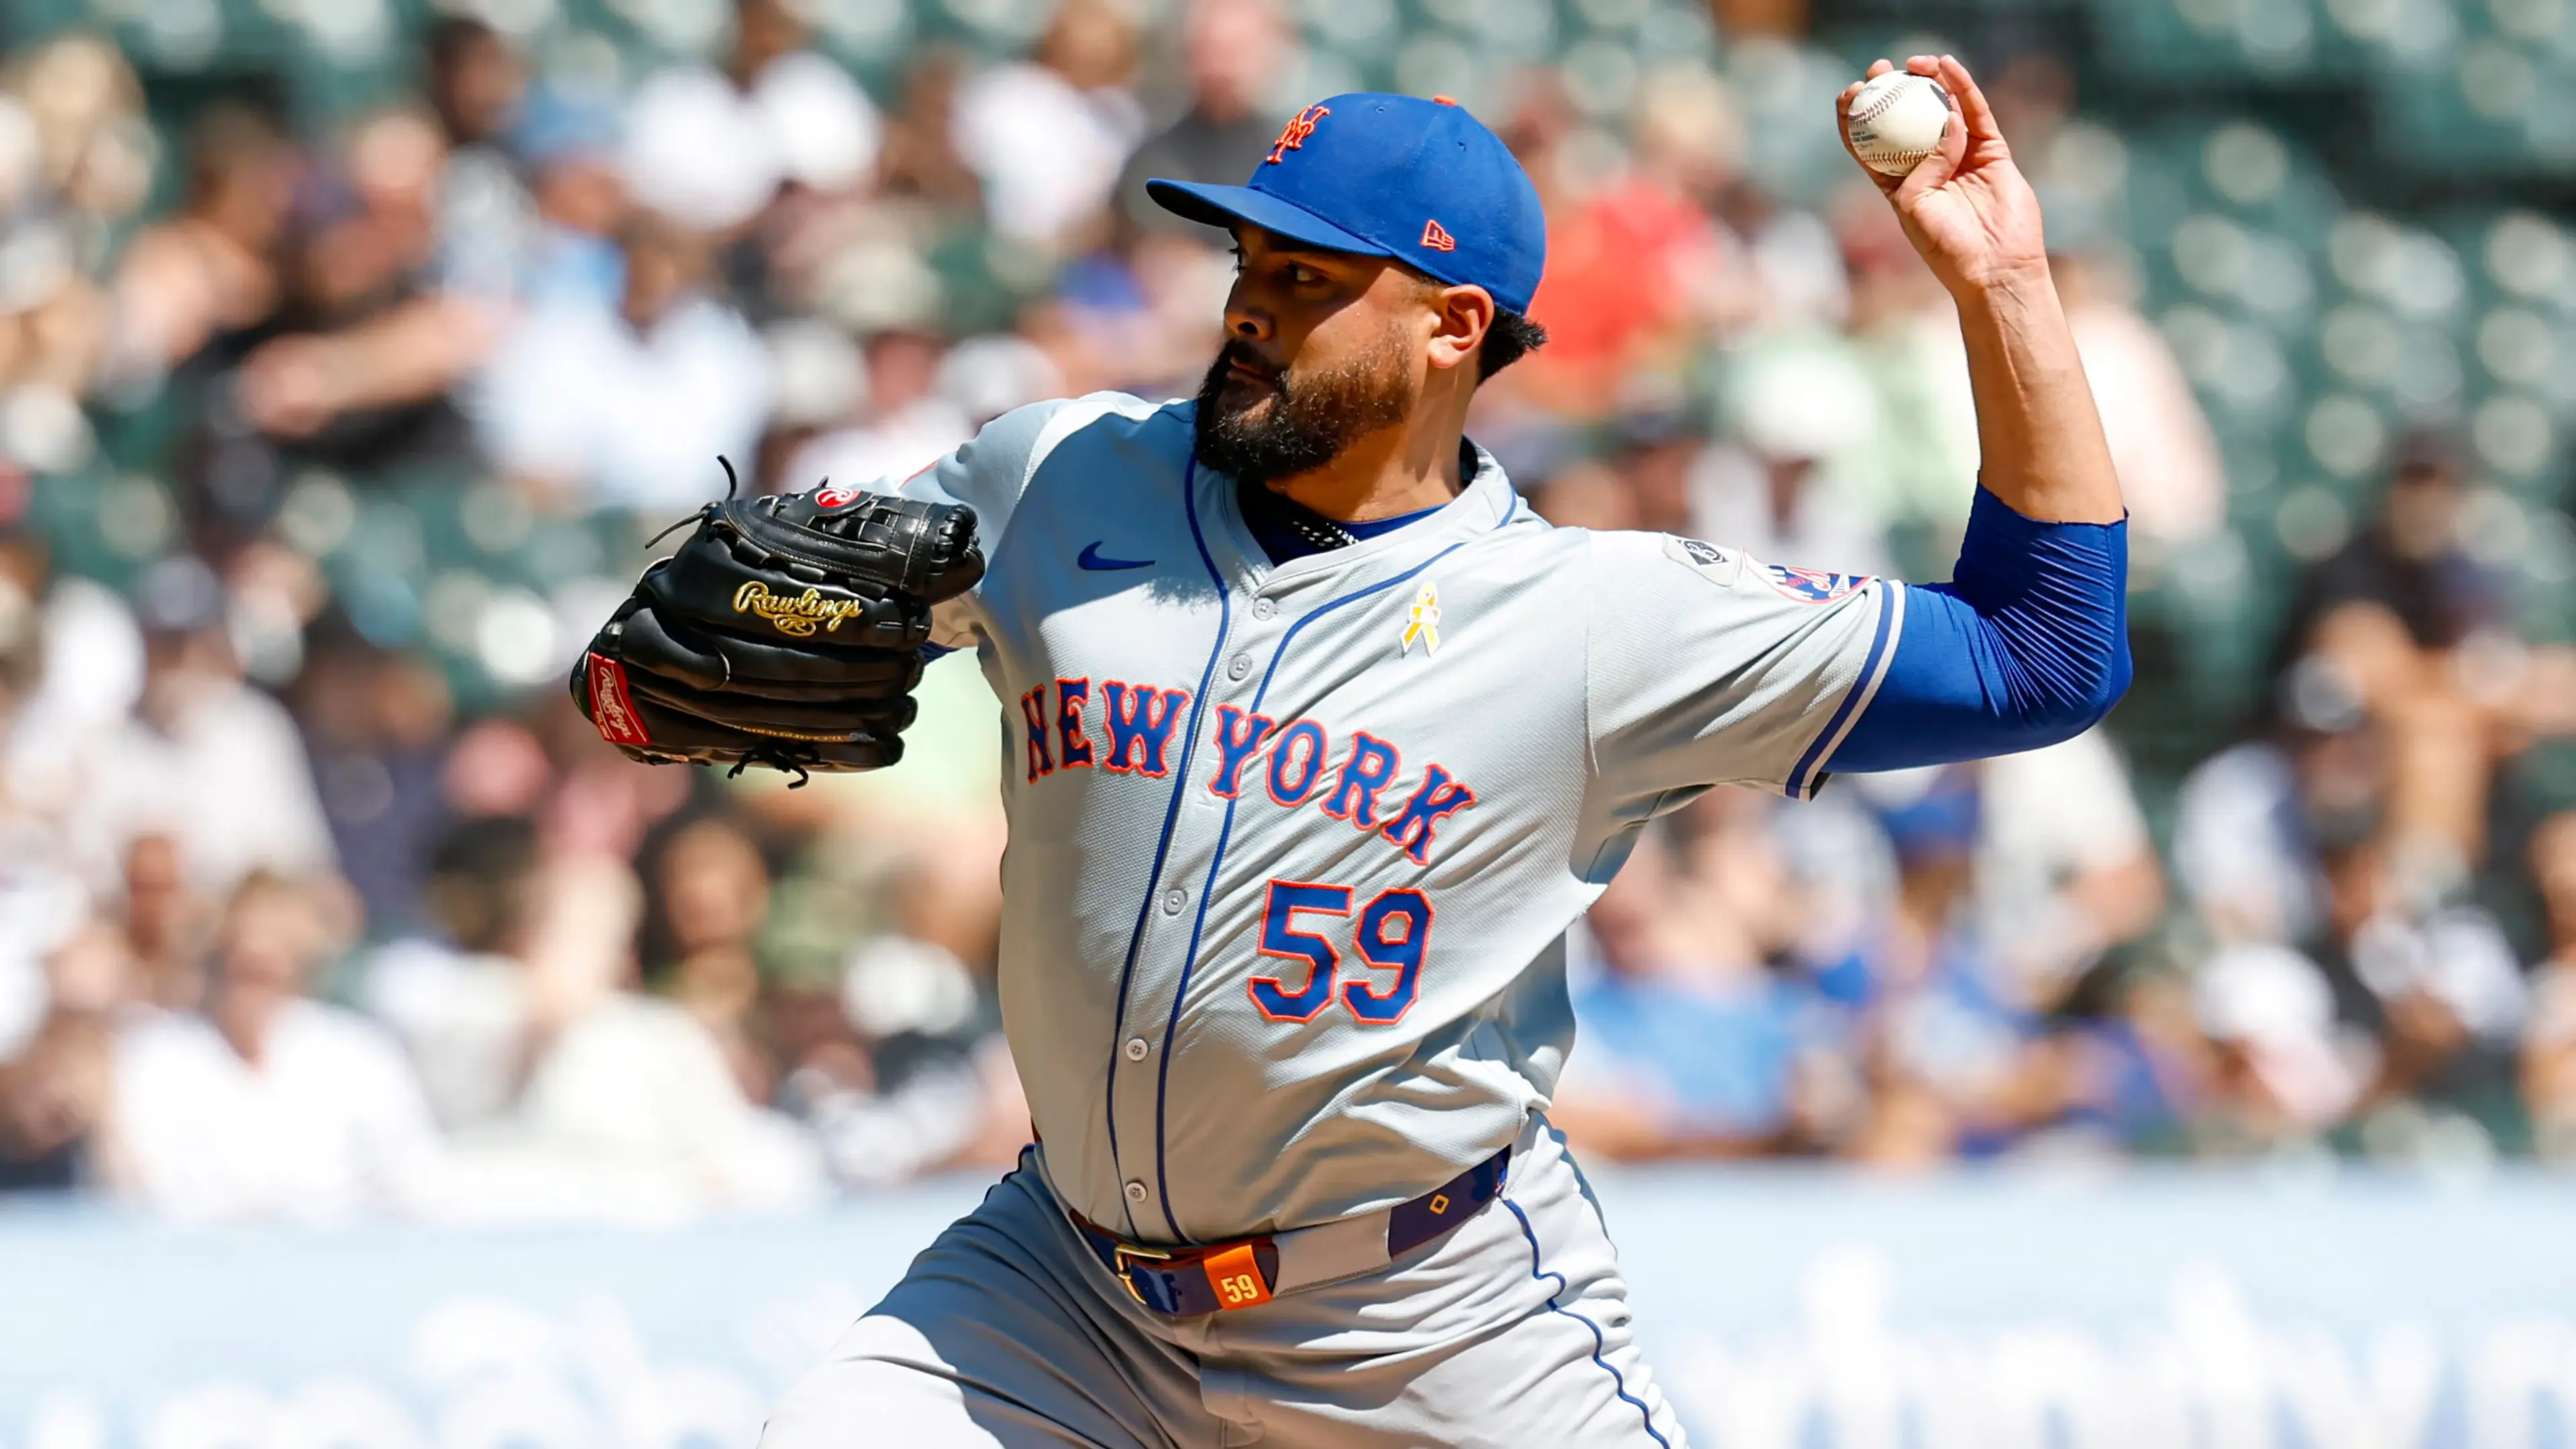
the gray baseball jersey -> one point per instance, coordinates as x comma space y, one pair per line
1294, 847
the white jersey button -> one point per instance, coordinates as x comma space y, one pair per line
1136, 1048
1263, 608
1135, 1192
1239, 666
1174, 899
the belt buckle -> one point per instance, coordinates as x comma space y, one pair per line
1123, 1258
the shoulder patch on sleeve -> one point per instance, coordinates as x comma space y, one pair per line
1720, 566
1813, 586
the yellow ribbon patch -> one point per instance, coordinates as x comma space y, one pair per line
1424, 622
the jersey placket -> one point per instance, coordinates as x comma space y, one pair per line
1174, 909
1175, 943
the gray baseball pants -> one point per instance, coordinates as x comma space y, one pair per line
1007, 1333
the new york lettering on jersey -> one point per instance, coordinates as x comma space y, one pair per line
1301, 760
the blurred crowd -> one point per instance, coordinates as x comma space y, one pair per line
291, 926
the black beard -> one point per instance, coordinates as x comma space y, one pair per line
1309, 421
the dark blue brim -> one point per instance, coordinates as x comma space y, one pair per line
1225, 205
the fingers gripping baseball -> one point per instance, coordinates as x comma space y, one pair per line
1965, 205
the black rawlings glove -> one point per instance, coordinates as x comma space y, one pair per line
786, 631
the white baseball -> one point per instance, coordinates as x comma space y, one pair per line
1897, 121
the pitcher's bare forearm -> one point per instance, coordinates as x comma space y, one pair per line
1974, 219
2037, 430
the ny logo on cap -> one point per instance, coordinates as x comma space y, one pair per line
1292, 137
1437, 237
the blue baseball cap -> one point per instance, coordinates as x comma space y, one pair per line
1390, 176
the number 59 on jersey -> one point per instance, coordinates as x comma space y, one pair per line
1390, 934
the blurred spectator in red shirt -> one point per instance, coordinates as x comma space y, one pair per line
1636, 266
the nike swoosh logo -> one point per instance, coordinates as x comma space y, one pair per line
1091, 559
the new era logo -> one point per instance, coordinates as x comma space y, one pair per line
1437, 237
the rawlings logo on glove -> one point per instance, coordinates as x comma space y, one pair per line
798, 615
611, 710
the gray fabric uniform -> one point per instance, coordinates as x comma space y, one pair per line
1293, 850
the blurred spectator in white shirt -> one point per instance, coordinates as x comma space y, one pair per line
710, 150
1048, 135
2171, 475
2065, 868
207, 760
267, 1103
1799, 404
89, 658
459, 1001
907, 424
630, 408
575, 1095
2284, 1072
42, 899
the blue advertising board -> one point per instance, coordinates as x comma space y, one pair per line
1784, 1310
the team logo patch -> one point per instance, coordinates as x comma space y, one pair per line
1292, 137
615, 709
1423, 622
1814, 586
833, 495
1720, 566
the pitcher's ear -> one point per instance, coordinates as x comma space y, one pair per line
1466, 315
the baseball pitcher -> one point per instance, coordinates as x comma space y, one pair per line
1317, 742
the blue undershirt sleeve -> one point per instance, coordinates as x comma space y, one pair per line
2027, 646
